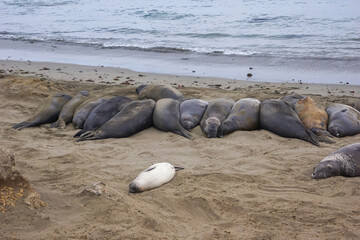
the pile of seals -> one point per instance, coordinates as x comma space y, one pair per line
165, 108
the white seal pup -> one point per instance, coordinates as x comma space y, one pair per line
154, 176
343, 162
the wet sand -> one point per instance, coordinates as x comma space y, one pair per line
246, 185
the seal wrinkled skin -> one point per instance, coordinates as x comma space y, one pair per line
343, 162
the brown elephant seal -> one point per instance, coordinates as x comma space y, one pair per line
83, 110
244, 115
103, 113
216, 113
67, 111
343, 162
280, 118
167, 117
343, 120
313, 118
191, 112
47, 112
156, 92
133, 118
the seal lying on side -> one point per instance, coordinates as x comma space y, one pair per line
156, 92
167, 117
67, 112
244, 115
313, 118
83, 110
215, 114
47, 112
103, 113
343, 120
344, 162
133, 118
191, 112
278, 117
154, 176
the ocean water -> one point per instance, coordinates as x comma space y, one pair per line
320, 30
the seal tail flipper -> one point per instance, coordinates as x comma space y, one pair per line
55, 124
323, 135
22, 125
178, 168
87, 136
79, 133
312, 138
185, 133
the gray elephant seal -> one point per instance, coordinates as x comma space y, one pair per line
167, 117
191, 112
156, 92
280, 118
244, 115
216, 113
292, 99
103, 113
83, 110
344, 162
133, 118
47, 112
343, 120
67, 112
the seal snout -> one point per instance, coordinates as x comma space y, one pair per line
133, 188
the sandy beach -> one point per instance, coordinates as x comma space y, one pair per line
246, 185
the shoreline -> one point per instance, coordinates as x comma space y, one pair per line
263, 69
121, 76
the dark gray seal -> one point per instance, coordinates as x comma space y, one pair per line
156, 92
67, 111
244, 115
133, 118
167, 117
344, 162
280, 118
292, 99
343, 120
191, 112
83, 110
47, 112
103, 113
216, 113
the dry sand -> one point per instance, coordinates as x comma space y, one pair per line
247, 185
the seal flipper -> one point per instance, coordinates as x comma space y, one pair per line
183, 132
55, 124
79, 133
323, 135
22, 125
311, 137
89, 135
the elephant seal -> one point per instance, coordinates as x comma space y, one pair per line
133, 118
292, 99
313, 118
244, 115
47, 112
67, 111
154, 176
191, 112
83, 110
343, 162
103, 113
156, 92
343, 120
215, 114
357, 106
167, 117
278, 117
